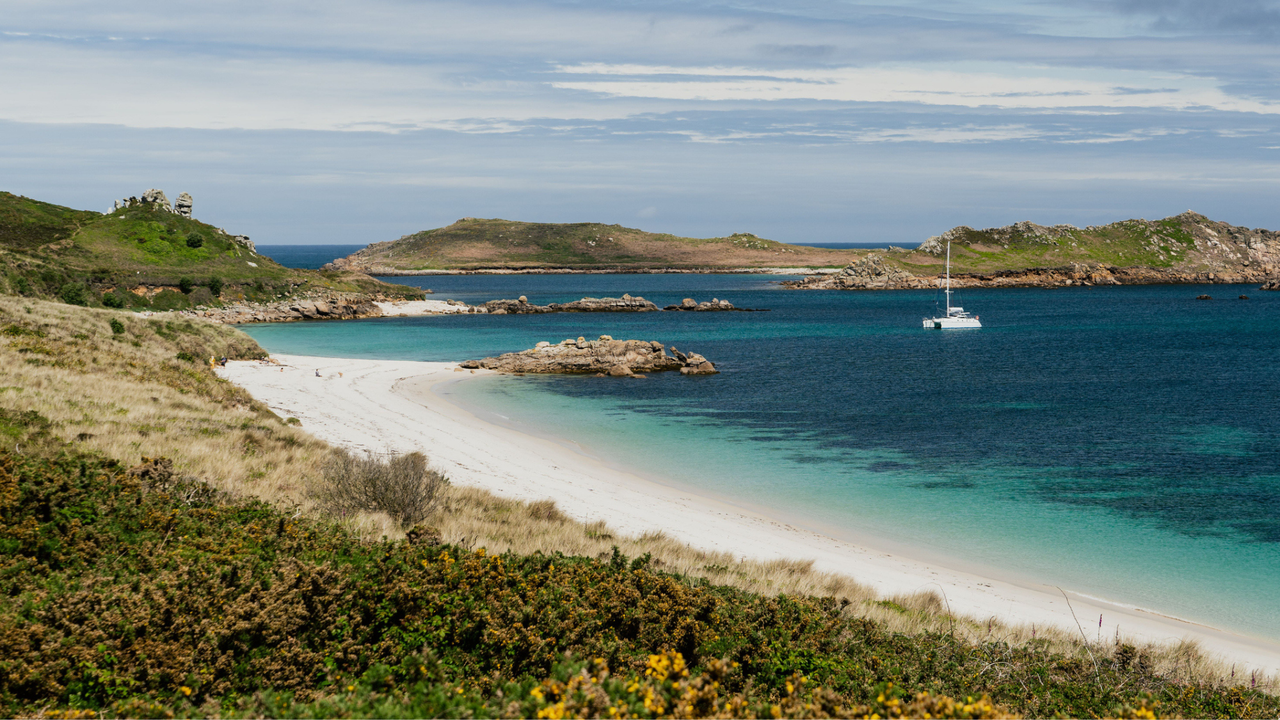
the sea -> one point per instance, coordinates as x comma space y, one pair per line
1119, 442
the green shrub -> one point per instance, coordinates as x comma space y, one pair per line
185, 356
194, 240
170, 300
117, 327
402, 486
74, 293
215, 286
185, 285
112, 299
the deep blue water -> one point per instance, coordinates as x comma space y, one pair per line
307, 257
1121, 442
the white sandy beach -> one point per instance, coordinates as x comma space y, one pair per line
384, 405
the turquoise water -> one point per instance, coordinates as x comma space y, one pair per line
1120, 442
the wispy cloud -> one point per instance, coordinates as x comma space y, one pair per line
1002, 86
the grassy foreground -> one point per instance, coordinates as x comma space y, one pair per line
178, 591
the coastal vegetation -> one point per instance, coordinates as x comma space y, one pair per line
146, 257
166, 550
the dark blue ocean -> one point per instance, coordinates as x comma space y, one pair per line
309, 257
1119, 442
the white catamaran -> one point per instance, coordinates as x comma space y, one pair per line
955, 317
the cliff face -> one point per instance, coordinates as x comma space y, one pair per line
1186, 248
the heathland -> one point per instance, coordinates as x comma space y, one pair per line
1184, 248
238, 577
146, 256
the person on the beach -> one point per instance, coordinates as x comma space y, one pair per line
317, 372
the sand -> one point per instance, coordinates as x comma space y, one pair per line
382, 405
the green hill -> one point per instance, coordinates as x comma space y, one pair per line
146, 256
472, 243
1187, 243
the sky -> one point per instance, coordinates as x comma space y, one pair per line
804, 121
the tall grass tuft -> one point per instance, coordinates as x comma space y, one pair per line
399, 486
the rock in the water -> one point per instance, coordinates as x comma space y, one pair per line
1204, 297
705, 306
182, 205
626, 303
1271, 285
616, 358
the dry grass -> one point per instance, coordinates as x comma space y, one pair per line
127, 395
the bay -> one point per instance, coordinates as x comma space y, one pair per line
1120, 441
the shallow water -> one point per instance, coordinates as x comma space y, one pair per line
1121, 442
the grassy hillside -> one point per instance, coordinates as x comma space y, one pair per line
476, 243
145, 257
1189, 243
177, 591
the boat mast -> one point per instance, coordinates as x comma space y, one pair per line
948, 291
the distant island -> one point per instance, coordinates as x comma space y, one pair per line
1186, 248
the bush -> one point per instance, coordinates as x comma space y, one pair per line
194, 240
402, 486
169, 300
74, 293
215, 286
112, 300
185, 285
117, 327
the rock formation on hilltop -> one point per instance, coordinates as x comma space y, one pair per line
605, 356
182, 205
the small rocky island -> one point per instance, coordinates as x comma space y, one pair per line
522, 306
605, 356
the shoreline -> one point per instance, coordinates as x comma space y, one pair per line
379, 405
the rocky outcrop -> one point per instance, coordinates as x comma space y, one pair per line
158, 198
336, 306
604, 356
712, 305
522, 306
241, 240
869, 273
693, 363
1271, 285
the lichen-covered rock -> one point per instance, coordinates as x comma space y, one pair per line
616, 358
182, 205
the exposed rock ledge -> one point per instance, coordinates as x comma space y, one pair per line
712, 305
872, 273
522, 306
334, 306
606, 356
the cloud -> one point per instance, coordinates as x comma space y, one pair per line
1249, 17
985, 85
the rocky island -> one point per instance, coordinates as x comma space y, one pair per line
604, 356
1184, 249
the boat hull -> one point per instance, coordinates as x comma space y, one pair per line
951, 323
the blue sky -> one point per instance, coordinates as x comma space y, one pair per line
815, 120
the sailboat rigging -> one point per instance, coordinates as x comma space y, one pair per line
955, 317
